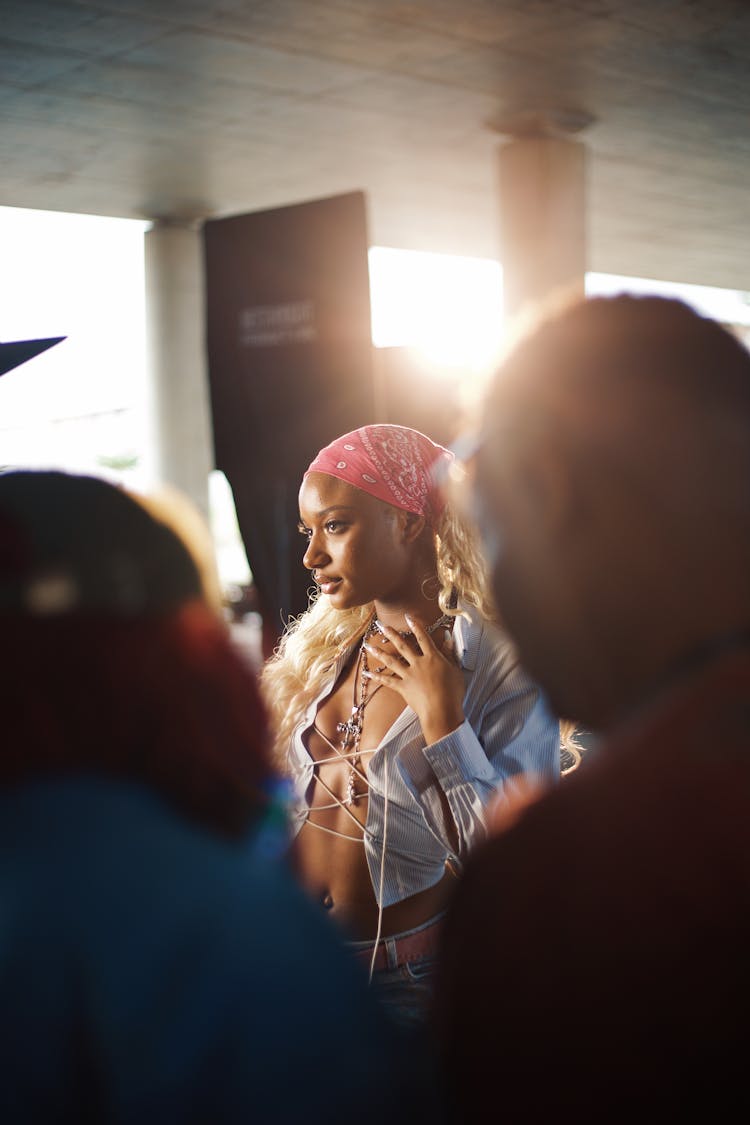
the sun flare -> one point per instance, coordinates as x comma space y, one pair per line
449, 308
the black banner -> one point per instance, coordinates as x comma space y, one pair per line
290, 368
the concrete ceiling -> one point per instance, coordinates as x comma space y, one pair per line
190, 108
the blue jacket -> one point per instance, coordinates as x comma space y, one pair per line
151, 972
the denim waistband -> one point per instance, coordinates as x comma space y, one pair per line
398, 948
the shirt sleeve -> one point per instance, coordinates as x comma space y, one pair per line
508, 732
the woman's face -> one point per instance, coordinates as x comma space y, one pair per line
356, 548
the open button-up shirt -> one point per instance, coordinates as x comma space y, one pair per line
507, 730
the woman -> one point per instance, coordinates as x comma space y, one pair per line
399, 709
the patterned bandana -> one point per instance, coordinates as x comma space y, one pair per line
394, 463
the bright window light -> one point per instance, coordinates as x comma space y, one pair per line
449, 308
230, 553
81, 405
729, 306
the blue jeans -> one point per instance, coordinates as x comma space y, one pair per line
404, 990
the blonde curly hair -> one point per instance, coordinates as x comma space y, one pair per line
294, 674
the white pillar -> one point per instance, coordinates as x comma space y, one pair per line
176, 351
542, 218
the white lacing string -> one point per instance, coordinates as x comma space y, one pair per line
358, 839
337, 803
350, 759
382, 869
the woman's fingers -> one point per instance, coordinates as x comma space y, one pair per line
397, 657
385, 656
401, 645
422, 637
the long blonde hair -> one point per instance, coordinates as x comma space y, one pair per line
302, 661
294, 675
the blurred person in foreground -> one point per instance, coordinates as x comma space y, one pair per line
157, 961
612, 483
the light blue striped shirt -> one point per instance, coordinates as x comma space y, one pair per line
507, 730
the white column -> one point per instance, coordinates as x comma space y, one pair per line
542, 218
175, 338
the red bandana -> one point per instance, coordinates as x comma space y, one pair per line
394, 463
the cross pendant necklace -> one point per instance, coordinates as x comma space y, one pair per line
351, 728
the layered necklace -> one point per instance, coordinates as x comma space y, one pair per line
351, 729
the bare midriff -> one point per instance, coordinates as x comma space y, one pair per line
329, 854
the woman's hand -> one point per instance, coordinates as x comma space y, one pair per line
428, 680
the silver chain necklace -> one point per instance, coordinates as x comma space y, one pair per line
379, 627
351, 729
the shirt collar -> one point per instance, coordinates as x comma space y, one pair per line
467, 635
